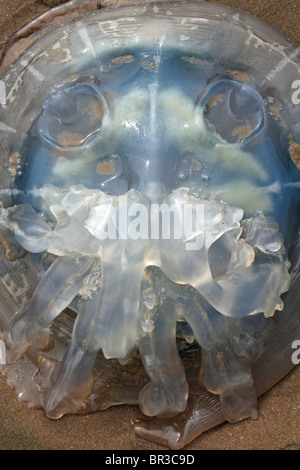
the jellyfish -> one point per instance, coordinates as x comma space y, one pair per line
153, 200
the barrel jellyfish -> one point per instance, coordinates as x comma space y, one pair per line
150, 215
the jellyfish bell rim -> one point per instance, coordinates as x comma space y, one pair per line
84, 7
219, 13
133, 7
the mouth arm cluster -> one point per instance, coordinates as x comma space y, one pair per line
112, 315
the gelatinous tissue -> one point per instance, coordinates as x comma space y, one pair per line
155, 202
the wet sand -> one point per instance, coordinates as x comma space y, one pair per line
277, 426
278, 423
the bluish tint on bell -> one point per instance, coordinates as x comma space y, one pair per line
164, 127
148, 99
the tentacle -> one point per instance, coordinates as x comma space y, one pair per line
115, 324
256, 271
166, 393
114, 385
255, 287
203, 412
203, 409
32, 232
225, 368
227, 374
55, 291
208, 325
72, 381
206, 409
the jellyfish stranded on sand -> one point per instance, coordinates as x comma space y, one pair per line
157, 130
